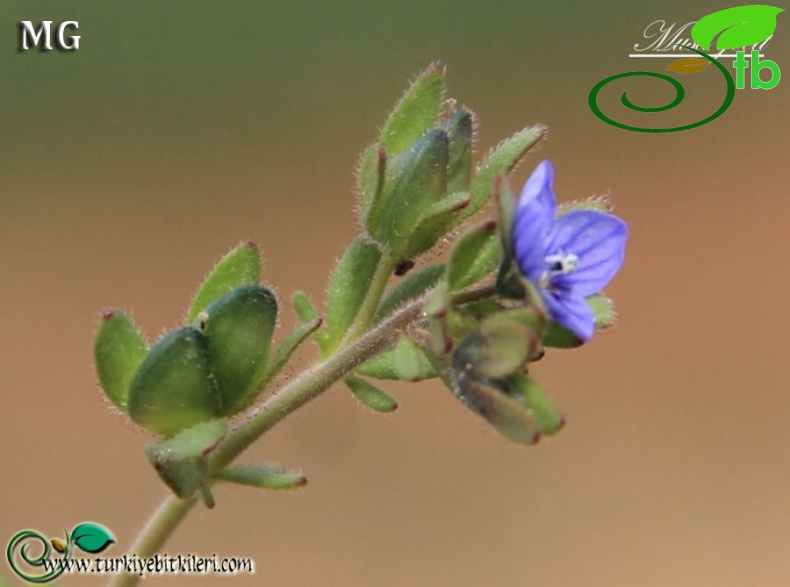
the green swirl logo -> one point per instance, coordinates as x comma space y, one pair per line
733, 28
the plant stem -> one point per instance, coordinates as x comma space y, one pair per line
295, 394
370, 304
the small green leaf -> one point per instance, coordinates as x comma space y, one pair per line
304, 307
348, 287
412, 286
559, 337
595, 203
739, 26
603, 309
463, 269
241, 266
548, 417
292, 342
416, 111
238, 331
506, 346
91, 537
370, 395
501, 161
264, 476
118, 351
173, 390
181, 461
368, 179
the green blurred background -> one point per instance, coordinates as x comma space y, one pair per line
180, 128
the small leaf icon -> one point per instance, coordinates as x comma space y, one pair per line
739, 26
91, 537
688, 66
58, 545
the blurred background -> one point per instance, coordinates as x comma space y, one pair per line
178, 129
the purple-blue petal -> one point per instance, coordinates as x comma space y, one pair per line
539, 189
597, 239
572, 312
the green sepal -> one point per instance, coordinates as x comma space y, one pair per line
548, 417
501, 161
263, 476
348, 287
465, 267
287, 348
415, 180
173, 389
416, 111
181, 461
371, 175
118, 351
595, 203
507, 345
370, 395
410, 287
436, 221
436, 310
241, 266
460, 129
238, 329
603, 310
304, 307
406, 361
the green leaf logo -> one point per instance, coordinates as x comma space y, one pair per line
737, 27
91, 537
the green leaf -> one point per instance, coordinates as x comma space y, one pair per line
463, 268
506, 346
292, 342
370, 395
173, 390
348, 287
415, 180
548, 417
264, 476
238, 331
241, 266
369, 178
304, 307
182, 460
437, 220
559, 337
412, 286
603, 309
406, 361
739, 26
460, 131
501, 161
91, 537
415, 112
118, 351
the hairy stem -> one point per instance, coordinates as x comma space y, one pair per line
288, 399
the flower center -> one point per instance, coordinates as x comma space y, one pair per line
559, 264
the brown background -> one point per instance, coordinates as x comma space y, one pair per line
176, 131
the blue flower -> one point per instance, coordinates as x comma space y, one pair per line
568, 258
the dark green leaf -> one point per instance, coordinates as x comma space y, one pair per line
286, 350
238, 331
464, 268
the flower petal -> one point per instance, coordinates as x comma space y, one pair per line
572, 312
598, 240
533, 218
539, 189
